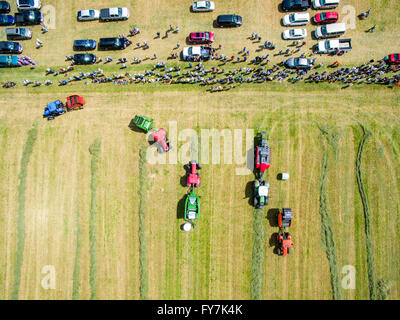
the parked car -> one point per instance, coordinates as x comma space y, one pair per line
332, 46
196, 53
6, 20
325, 4
88, 15
10, 47
19, 33
84, 58
114, 14
201, 37
326, 17
298, 63
296, 19
112, 44
229, 20
4, 7
83, 45
23, 5
330, 30
294, 34
31, 17
203, 6
393, 58
8, 61
295, 5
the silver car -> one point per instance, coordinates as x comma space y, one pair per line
23, 5
203, 6
299, 63
88, 15
18, 33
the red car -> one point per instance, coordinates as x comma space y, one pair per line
75, 102
393, 58
326, 17
201, 37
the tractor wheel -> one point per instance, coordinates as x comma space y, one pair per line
288, 250
279, 251
255, 202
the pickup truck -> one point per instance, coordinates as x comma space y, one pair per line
114, 14
331, 46
8, 61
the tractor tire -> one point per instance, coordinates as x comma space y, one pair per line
279, 251
255, 202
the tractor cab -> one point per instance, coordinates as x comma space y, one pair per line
53, 110
193, 177
143, 123
285, 218
262, 153
284, 243
75, 102
161, 140
261, 191
192, 206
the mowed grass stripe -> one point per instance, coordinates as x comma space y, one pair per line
26, 155
367, 218
76, 274
94, 150
142, 230
327, 236
258, 255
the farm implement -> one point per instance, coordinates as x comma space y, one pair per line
262, 154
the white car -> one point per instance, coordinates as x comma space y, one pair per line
114, 14
203, 6
88, 15
296, 19
23, 5
294, 34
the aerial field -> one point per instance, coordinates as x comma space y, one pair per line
79, 197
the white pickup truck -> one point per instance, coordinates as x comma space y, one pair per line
330, 46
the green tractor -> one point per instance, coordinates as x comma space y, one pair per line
192, 206
143, 123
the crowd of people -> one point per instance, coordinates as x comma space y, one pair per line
240, 68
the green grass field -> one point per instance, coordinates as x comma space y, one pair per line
77, 193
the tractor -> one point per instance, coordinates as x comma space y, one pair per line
285, 218
161, 140
192, 206
143, 123
54, 109
75, 102
262, 154
284, 243
261, 190
193, 177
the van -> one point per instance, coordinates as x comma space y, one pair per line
330, 30
229, 20
325, 4
112, 44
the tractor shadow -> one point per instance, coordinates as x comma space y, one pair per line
249, 192
272, 217
183, 180
180, 208
273, 242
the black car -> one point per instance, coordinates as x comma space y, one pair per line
80, 45
229, 20
4, 7
112, 44
84, 58
10, 47
296, 5
30, 17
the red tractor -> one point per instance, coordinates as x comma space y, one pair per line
285, 218
75, 102
161, 140
262, 154
193, 177
284, 243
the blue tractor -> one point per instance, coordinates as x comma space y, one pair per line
54, 109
